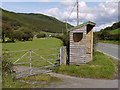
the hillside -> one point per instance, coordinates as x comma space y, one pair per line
35, 22
113, 27
116, 31
110, 34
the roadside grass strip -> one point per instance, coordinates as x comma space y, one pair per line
110, 42
101, 67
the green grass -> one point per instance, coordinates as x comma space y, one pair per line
9, 82
50, 33
35, 44
45, 78
100, 67
41, 43
116, 31
110, 42
34, 22
42, 79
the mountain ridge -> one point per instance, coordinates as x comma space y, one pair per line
35, 22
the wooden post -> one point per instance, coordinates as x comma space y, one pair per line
92, 45
66, 24
63, 55
77, 12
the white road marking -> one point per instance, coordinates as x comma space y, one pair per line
109, 55
109, 45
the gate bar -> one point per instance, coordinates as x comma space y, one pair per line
20, 58
30, 64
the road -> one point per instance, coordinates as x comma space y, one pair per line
76, 82
108, 49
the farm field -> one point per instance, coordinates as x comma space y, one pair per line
41, 43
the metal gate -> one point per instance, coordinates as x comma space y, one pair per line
34, 61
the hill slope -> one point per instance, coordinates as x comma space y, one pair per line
111, 33
35, 22
113, 27
116, 31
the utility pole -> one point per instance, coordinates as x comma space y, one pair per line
77, 13
62, 31
66, 24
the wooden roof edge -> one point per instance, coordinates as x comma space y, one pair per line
86, 23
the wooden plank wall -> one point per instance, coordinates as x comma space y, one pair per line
88, 46
78, 50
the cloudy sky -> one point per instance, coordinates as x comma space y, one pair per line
103, 13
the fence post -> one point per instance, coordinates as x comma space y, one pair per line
60, 55
30, 64
63, 55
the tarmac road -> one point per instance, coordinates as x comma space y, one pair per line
76, 82
108, 49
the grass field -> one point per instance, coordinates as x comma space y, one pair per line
116, 31
110, 42
35, 44
101, 67
50, 33
41, 43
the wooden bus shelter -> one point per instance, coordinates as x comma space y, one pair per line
81, 43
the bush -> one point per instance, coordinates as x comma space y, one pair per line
40, 35
6, 65
65, 39
8, 79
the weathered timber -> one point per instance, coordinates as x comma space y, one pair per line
63, 55
81, 43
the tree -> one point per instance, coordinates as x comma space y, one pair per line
5, 31
18, 35
26, 34
104, 35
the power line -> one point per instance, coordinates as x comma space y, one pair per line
70, 14
72, 10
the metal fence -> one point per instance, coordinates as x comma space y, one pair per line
40, 58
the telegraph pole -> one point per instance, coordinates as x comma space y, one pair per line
62, 31
77, 13
66, 24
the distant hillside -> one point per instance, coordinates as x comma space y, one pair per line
35, 22
110, 33
113, 27
116, 31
